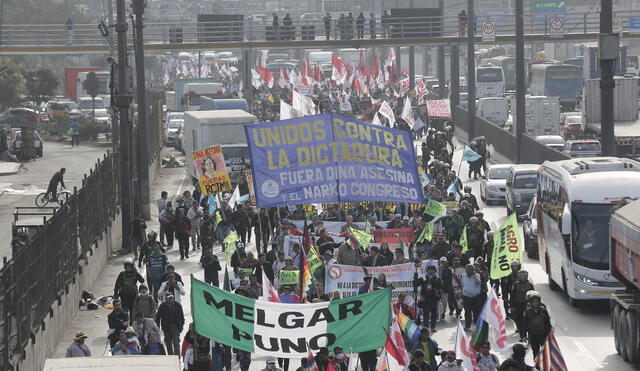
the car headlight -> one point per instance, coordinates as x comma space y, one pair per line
586, 280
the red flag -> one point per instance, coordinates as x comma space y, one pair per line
316, 73
307, 68
284, 74
356, 85
395, 343
361, 64
374, 68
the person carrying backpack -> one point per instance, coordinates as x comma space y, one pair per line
518, 300
126, 287
536, 323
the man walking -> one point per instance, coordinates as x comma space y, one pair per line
75, 133
170, 317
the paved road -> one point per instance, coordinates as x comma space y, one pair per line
583, 333
21, 188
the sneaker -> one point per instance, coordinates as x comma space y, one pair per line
182, 258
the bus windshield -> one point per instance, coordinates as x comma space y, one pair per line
489, 75
561, 73
590, 235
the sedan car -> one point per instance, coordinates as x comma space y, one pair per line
530, 229
494, 184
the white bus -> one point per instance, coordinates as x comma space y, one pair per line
575, 198
490, 81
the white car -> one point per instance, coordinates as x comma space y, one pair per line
493, 186
172, 131
552, 141
103, 116
86, 104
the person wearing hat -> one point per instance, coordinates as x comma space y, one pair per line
449, 362
272, 365
430, 291
405, 222
170, 318
475, 237
172, 286
366, 286
78, 348
536, 323
144, 303
428, 347
396, 222
287, 295
518, 300
506, 284
126, 287
127, 344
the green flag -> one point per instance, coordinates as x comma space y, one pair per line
463, 240
227, 282
363, 238
314, 260
427, 233
367, 227
507, 246
216, 220
290, 330
435, 209
230, 244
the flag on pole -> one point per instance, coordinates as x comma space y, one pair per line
469, 155
306, 280
405, 249
230, 243
357, 238
226, 285
427, 233
376, 120
491, 316
269, 292
426, 180
463, 240
407, 113
550, 358
395, 343
435, 209
383, 361
464, 350
353, 362
409, 328
453, 188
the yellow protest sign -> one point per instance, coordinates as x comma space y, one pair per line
289, 277
211, 170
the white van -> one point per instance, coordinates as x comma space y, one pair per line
490, 81
494, 110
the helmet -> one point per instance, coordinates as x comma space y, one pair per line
473, 219
151, 234
515, 262
467, 189
532, 294
128, 261
523, 273
478, 213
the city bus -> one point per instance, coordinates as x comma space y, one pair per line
508, 64
489, 81
573, 215
557, 80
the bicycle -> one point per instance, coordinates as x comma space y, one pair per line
62, 196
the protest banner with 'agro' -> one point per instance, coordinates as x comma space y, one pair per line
346, 279
290, 330
507, 246
331, 158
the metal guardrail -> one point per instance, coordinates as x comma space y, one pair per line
238, 31
39, 273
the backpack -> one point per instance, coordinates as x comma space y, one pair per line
130, 283
537, 323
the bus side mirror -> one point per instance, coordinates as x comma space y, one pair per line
566, 221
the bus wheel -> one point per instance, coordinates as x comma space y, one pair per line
632, 341
573, 302
553, 286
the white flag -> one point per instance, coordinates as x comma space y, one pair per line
353, 362
255, 79
464, 350
298, 103
407, 113
492, 314
286, 111
376, 120
387, 111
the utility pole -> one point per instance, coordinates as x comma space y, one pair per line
123, 102
471, 68
608, 47
520, 87
455, 76
142, 156
441, 73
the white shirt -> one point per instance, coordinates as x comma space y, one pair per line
161, 205
195, 215
177, 292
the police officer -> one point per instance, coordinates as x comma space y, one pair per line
518, 300
536, 323
507, 282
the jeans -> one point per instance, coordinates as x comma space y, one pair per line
135, 244
154, 286
75, 138
444, 300
162, 234
472, 307
172, 339
430, 308
262, 238
168, 230
195, 237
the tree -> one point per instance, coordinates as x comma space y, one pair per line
41, 84
11, 81
91, 85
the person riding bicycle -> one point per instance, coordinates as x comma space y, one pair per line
58, 178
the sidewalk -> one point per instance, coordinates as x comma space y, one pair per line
94, 322
8, 168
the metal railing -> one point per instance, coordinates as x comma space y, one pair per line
239, 31
39, 273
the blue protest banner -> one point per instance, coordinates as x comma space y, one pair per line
331, 158
469, 155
